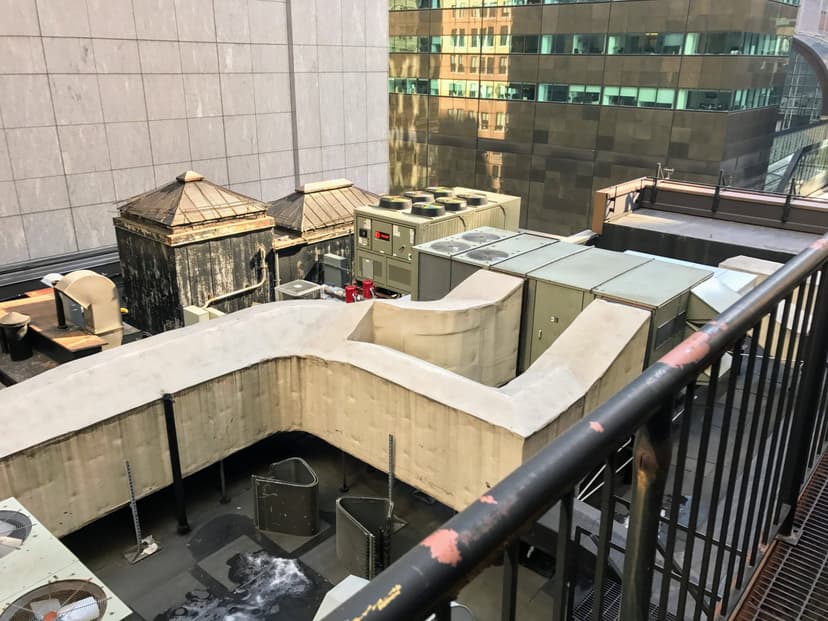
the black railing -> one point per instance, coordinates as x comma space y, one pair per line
727, 424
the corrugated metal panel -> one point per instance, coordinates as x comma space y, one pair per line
303, 212
186, 203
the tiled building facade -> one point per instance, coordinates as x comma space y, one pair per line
551, 100
103, 99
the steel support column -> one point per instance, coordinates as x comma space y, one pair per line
175, 465
650, 465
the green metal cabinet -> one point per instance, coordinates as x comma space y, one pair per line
564, 288
663, 289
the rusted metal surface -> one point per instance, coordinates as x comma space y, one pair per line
189, 203
652, 462
305, 213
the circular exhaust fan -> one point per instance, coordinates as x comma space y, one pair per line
15, 527
440, 191
450, 247
429, 210
452, 204
394, 202
487, 256
63, 600
474, 200
419, 197
479, 237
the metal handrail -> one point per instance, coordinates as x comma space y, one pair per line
432, 572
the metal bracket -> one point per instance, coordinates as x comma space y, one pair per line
792, 539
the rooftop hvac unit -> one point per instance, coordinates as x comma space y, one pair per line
335, 270
386, 233
298, 290
664, 290
557, 293
434, 259
41, 580
467, 263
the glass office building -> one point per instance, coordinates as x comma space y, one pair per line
551, 100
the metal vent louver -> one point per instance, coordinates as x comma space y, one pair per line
487, 255
451, 203
478, 237
450, 247
15, 528
391, 201
428, 210
74, 600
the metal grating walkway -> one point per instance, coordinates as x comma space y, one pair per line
793, 584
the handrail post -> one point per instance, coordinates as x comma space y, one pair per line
807, 403
651, 462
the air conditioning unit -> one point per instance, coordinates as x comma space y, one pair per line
663, 289
434, 263
298, 290
467, 263
335, 268
385, 234
558, 292
41, 580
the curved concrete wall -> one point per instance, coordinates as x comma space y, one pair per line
299, 365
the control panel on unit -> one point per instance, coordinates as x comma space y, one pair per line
381, 236
364, 232
404, 242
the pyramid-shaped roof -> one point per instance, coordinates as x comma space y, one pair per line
321, 205
190, 200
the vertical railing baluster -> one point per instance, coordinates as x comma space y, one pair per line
678, 481
801, 334
511, 566
730, 398
795, 350
714, 495
816, 437
561, 606
651, 464
736, 471
604, 537
807, 403
747, 495
774, 397
693, 519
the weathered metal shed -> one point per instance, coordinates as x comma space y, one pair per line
191, 242
316, 219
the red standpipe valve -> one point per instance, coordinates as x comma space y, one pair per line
350, 294
367, 289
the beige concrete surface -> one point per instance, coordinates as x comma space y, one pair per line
302, 366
